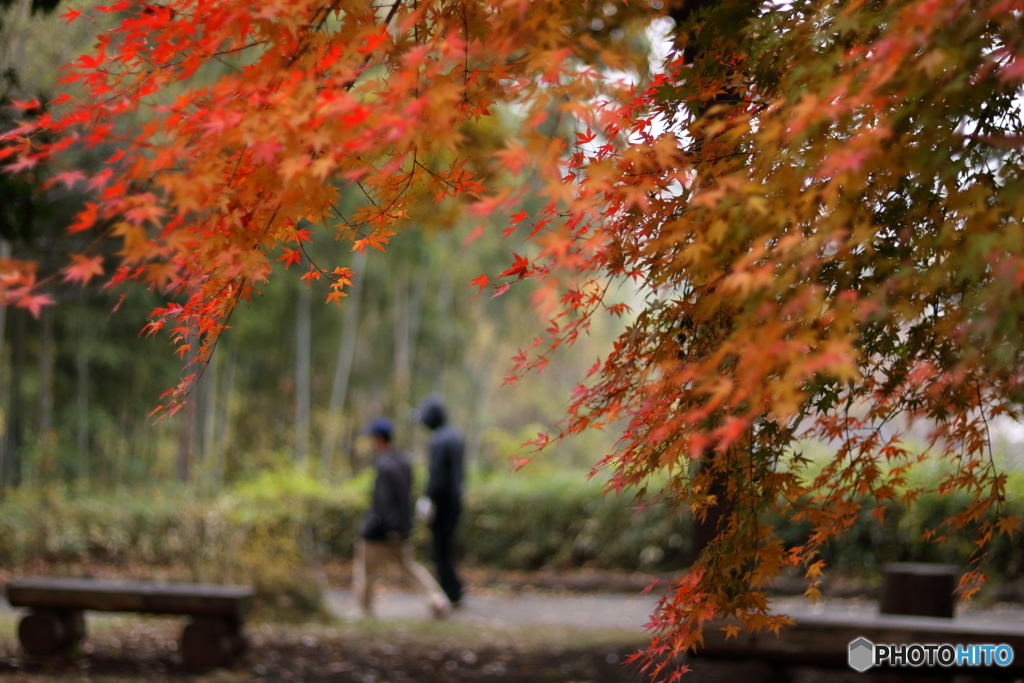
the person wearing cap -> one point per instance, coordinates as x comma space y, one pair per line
444, 489
384, 535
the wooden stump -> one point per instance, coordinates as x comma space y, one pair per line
918, 589
211, 641
46, 632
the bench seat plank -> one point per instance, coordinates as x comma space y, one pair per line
132, 596
823, 639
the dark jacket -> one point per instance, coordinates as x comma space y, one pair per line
391, 510
447, 449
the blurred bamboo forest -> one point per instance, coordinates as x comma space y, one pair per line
294, 378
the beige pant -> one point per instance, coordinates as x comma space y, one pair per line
370, 555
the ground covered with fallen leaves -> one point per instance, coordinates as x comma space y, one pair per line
134, 649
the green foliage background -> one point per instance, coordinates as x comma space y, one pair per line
510, 522
276, 529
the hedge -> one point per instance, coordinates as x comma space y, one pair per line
285, 522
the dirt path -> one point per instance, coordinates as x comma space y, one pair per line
594, 612
624, 612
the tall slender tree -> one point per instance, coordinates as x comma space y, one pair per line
343, 365
303, 335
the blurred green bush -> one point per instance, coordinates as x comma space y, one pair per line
559, 519
275, 531
511, 522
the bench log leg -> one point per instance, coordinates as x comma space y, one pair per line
208, 642
47, 632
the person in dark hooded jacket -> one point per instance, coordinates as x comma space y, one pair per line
444, 489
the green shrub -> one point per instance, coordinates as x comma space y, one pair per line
274, 531
557, 520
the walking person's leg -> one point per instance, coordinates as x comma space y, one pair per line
420, 578
443, 527
360, 586
367, 559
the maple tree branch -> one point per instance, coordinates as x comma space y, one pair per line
333, 7
333, 277
984, 419
204, 363
366, 194
216, 55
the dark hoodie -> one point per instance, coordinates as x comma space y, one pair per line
391, 511
446, 453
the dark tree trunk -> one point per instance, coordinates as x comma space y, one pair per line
46, 371
15, 417
187, 430
703, 532
82, 404
343, 367
302, 361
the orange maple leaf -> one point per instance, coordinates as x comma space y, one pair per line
313, 274
1008, 525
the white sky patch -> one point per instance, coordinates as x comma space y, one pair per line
659, 36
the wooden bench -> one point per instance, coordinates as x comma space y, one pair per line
212, 637
921, 589
823, 639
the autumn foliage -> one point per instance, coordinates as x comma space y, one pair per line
819, 204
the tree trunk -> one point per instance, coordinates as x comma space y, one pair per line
220, 465
12, 462
343, 368
82, 400
14, 59
187, 429
704, 532
210, 414
483, 405
5, 394
186, 441
46, 371
408, 304
302, 344
445, 299
419, 288
400, 395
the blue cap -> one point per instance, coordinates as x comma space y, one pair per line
380, 426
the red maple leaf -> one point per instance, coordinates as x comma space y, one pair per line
290, 256
520, 267
69, 178
480, 281
83, 268
22, 164
34, 303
